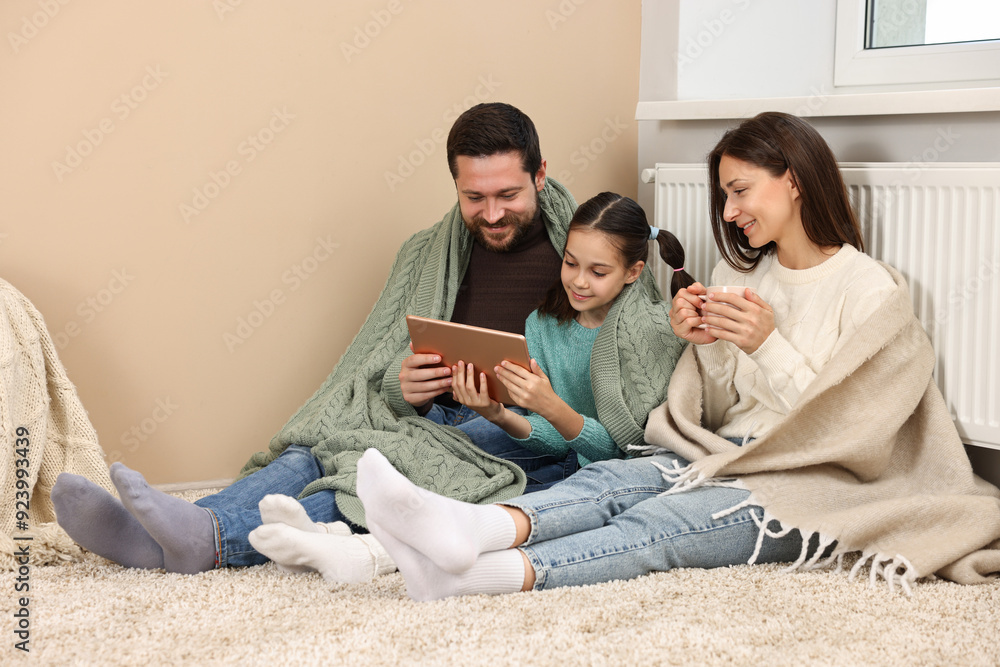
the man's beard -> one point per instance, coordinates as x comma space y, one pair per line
521, 224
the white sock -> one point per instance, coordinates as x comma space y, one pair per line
336, 528
344, 560
493, 573
278, 508
449, 532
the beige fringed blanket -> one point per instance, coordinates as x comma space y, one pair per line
869, 457
45, 431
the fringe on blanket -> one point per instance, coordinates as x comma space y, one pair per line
687, 478
894, 570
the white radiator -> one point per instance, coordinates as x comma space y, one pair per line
938, 224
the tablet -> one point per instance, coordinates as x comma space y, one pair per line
483, 348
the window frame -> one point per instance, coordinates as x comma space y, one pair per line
975, 63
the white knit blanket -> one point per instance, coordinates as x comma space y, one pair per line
45, 431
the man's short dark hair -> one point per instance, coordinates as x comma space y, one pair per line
493, 128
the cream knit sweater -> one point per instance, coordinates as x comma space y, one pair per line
816, 311
45, 430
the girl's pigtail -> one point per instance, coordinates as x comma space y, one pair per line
672, 252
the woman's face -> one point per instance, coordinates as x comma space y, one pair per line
764, 207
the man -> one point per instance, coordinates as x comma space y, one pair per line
487, 263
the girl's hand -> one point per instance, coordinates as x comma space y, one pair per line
745, 321
530, 388
686, 315
465, 391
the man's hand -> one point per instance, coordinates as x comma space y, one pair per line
421, 382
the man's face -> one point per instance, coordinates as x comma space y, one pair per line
498, 199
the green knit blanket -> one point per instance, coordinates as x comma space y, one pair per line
360, 404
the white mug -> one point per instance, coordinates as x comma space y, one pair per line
739, 290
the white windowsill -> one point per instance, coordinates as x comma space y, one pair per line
961, 100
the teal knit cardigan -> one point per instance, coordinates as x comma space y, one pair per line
360, 404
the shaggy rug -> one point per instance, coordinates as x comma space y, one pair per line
93, 612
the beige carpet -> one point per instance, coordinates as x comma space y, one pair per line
97, 613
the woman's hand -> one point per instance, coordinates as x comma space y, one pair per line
466, 392
745, 321
686, 315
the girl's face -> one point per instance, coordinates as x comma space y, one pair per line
593, 275
764, 207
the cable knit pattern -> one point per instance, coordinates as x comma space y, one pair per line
57, 436
360, 405
632, 361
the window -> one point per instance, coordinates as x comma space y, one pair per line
884, 42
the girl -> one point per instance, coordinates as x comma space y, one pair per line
791, 459
606, 250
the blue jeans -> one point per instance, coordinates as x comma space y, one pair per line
235, 509
542, 470
609, 522
235, 513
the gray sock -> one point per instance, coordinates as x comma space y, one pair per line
185, 531
98, 522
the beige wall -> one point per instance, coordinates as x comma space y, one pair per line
171, 170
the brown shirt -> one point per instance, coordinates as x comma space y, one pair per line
500, 289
